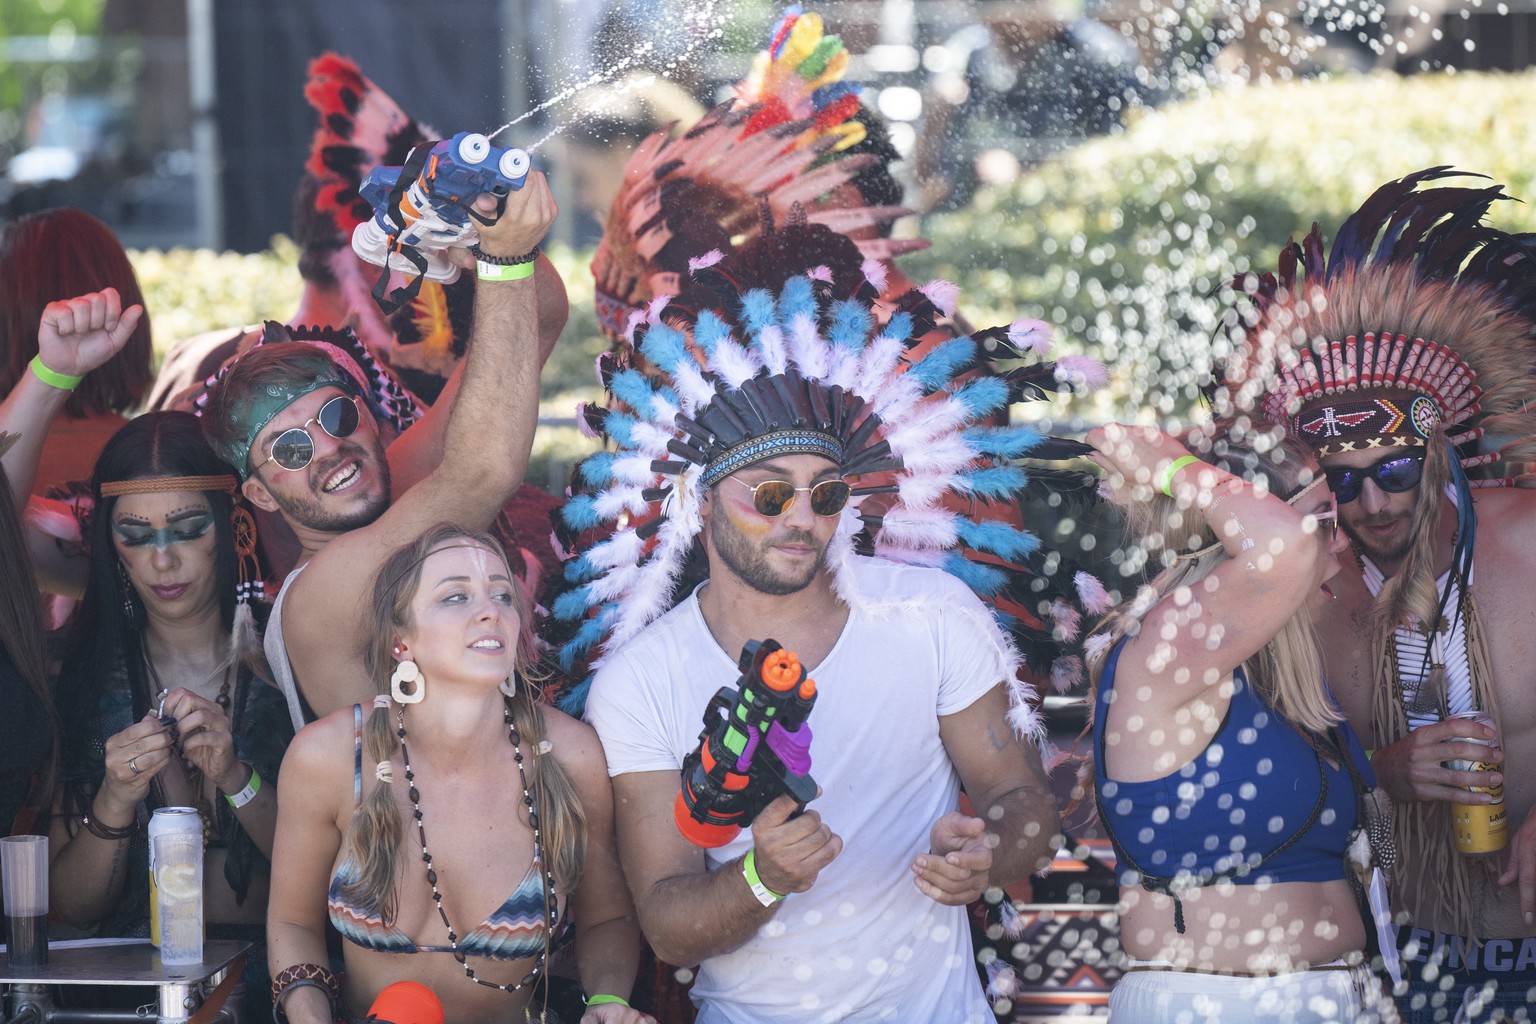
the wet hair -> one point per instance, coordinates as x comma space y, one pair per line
1288, 670
375, 831
59, 254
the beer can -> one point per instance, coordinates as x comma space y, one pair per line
1480, 828
164, 822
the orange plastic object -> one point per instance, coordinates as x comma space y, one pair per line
697, 832
808, 688
781, 670
406, 1002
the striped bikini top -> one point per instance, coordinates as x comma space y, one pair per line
515, 931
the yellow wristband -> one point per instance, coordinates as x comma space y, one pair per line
1166, 483
599, 1000
504, 272
53, 378
766, 896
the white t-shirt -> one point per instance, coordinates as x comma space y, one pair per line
863, 944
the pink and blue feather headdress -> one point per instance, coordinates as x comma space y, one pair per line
736, 374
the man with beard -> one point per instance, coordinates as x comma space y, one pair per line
306, 447
734, 463
1390, 362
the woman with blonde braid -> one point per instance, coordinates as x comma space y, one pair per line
1225, 775
408, 823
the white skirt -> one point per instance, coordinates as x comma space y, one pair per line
1334, 993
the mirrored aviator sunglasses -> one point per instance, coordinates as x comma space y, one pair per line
772, 498
1393, 474
294, 448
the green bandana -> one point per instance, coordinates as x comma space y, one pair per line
252, 414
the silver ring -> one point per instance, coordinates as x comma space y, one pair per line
133, 766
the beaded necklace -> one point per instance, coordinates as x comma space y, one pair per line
551, 908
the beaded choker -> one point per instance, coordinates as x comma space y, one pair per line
551, 907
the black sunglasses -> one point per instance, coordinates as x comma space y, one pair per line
773, 497
1393, 474
294, 448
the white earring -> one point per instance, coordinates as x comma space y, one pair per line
406, 671
508, 687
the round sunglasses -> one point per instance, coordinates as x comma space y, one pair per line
772, 498
1393, 474
294, 448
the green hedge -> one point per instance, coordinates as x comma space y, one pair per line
1122, 241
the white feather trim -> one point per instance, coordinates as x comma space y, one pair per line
634, 469
946, 455
734, 364
623, 548
878, 361
942, 294
610, 503
692, 387
1095, 599
775, 354
876, 273
655, 306
921, 491
709, 259
809, 350
919, 528
1030, 335
1081, 372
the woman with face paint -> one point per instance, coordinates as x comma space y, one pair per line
158, 703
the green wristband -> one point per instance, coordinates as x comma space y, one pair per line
53, 378
599, 1000
1166, 484
504, 272
246, 795
766, 896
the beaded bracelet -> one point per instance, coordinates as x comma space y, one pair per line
503, 261
101, 830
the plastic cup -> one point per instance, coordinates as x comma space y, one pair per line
178, 871
24, 878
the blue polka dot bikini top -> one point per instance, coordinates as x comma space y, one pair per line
1260, 802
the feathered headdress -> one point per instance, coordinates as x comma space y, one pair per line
739, 374
361, 127
799, 78
1417, 324
1417, 330
707, 188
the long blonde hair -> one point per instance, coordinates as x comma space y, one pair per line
376, 825
1287, 671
